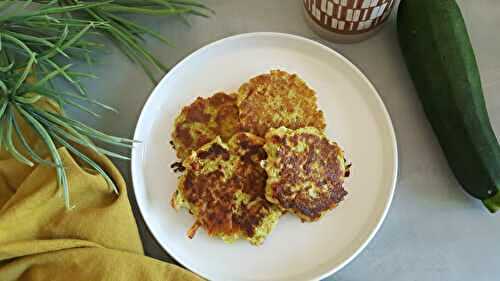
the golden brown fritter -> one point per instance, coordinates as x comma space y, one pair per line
203, 120
224, 188
277, 99
305, 171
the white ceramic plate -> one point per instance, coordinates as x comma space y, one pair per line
356, 119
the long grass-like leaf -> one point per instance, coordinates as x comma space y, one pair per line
3, 87
6, 68
20, 44
70, 42
89, 161
25, 73
47, 139
66, 96
53, 119
93, 132
82, 74
71, 134
131, 24
125, 49
100, 151
122, 36
39, 40
143, 11
80, 107
55, 10
3, 107
28, 98
59, 131
9, 140
68, 77
35, 156
48, 77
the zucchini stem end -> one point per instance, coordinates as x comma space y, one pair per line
493, 203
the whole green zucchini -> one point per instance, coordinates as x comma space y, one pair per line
441, 62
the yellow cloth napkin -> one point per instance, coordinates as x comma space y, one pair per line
96, 240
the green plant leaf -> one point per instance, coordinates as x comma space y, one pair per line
53, 118
38, 45
25, 73
48, 77
47, 139
89, 161
9, 142
37, 158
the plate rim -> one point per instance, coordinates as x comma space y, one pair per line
392, 136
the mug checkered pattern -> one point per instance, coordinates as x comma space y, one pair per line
349, 16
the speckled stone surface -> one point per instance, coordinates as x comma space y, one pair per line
433, 231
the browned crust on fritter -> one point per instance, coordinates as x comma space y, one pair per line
203, 120
264, 103
213, 195
318, 165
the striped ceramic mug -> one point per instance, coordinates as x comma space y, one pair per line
347, 20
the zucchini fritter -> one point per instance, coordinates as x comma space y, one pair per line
203, 120
224, 188
277, 99
305, 171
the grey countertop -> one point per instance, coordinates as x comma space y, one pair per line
433, 231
